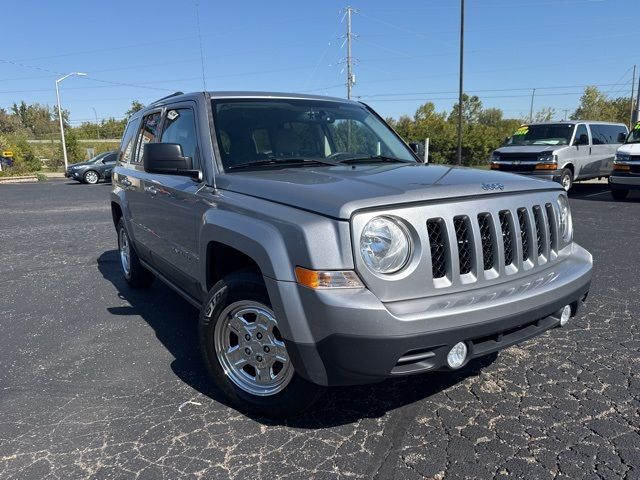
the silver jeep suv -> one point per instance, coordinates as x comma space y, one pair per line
321, 252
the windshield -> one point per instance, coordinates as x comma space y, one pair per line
546, 134
634, 135
252, 131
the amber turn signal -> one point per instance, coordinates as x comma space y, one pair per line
317, 279
546, 166
620, 167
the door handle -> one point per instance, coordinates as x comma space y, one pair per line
126, 182
151, 189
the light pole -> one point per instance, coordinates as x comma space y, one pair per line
64, 145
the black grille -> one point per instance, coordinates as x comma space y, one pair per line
435, 231
522, 221
518, 156
537, 215
484, 222
550, 223
464, 243
521, 167
635, 168
507, 241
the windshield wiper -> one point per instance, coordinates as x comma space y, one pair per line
281, 161
376, 158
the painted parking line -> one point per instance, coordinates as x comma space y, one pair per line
594, 194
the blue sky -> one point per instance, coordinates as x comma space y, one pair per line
407, 51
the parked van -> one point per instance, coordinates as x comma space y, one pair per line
561, 151
626, 166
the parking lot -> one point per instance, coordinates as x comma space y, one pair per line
100, 381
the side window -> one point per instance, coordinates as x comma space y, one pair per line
615, 133
126, 146
111, 158
598, 136
580, 130
180, 127
148, 133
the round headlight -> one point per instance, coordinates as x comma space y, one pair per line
384, 245
566, 227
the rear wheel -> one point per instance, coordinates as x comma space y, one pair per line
566, 179
244, 351
619, 193
91, 177
134, 273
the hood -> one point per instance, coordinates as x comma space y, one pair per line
529, 148
341, 190
630, 148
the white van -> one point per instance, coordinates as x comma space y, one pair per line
626, 166
561, 151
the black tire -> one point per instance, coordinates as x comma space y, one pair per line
137, 276
87, 178
619, 193
297, 395
566, 179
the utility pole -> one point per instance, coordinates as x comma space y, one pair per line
533, 94
637, 119
633, 85
351, 78
566, 110
460, 92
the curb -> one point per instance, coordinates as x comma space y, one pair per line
23, 179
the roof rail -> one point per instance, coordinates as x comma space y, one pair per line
174, 94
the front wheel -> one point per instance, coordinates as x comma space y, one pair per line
91, 177
619, 193
245, 353
566, 179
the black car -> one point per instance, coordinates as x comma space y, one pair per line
94, 170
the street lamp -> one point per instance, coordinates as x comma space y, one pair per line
64, 145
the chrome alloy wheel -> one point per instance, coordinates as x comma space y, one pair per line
125, 252
91, 177
250, 349
566, 182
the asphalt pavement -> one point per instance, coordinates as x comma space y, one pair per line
99, 381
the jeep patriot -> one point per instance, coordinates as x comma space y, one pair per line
321, 251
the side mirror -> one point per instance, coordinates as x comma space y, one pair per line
582, 140
167, 158
622, 137
415, 147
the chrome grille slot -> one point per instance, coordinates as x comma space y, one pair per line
551, 223
524, 233
438, 246
465, 245
507, 240
486, 238
537, 215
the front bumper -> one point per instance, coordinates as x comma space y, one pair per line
350, 337
624, 181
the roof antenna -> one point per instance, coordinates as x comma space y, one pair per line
204, 82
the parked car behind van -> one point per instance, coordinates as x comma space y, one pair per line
626, 166
561, 151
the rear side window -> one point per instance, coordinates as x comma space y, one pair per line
111, 158
148, 133
126, 146
180, 127
606, 134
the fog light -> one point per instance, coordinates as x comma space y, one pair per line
457, 355
565, 315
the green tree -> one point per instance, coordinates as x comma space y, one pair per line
595, 105
545, 114
136, 106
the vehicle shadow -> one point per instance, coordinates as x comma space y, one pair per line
174, 321
599, 192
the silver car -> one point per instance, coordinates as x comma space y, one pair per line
321, 252
561, 151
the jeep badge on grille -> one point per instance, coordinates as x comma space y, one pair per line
492, 186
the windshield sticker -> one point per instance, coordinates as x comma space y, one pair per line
172, 115
522, 130
637, 127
